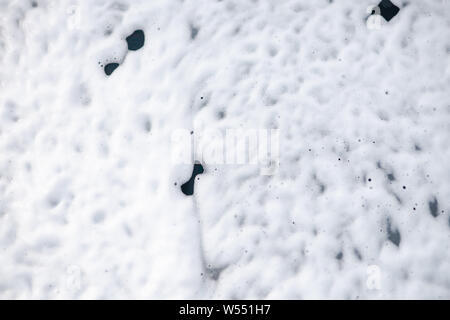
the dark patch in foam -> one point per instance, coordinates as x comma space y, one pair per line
110, 67
357, 254
188, 187
136, 40
194, 32
393, 234
434, 207
147, 125
213, 273
388, 10
221, 115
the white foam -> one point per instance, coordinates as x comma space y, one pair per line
88, 202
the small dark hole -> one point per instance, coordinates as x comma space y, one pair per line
433, 205
388, 10
393, 234
110, 67
194, 32
188, 187
136, 40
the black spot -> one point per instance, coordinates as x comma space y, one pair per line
53, 201
434, 206
391, 176
136, 40
147, 125
357, 254
322, 188
110, 67
188, 187
393, 234
213, 273
388, 10
339, 256
194, 32
404, 187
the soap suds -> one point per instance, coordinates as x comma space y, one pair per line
91, 202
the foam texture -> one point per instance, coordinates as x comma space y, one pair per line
90, 203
